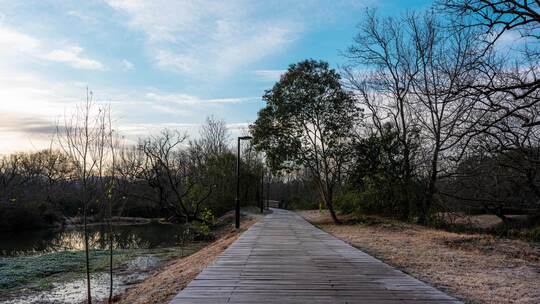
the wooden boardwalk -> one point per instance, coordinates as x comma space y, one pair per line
284, 259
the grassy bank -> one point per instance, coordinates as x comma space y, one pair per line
475, 267
36, 271
39, 272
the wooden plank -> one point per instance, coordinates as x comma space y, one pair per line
284, 259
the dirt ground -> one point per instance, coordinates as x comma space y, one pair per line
171, 278
475, 268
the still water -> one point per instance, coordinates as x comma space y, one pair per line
146, 236
22, 275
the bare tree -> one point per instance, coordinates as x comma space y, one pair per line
174, 175
500, 175
9, 175
214, 161
511, 85
55, 167
81, 138
112, 142
447, 63
214, 136
415, 75
514, 158
387, 63
132, 177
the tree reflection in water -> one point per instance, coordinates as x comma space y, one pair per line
145, 236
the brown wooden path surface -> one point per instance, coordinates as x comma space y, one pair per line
284, 259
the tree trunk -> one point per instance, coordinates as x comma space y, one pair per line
86, 243
432, 189
330, 206
111, 243
407, 202
407, 160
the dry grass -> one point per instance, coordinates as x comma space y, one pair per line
481, 221
170, 279
474, 267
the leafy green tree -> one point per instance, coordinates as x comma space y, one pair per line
378, 174
308, 122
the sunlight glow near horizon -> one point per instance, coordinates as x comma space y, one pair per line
159, 63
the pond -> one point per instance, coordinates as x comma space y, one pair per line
145, 236
47, 266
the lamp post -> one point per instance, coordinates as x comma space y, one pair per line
268, 176
237, 200
262, 190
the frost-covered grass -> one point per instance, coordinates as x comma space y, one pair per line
33, 270
39, 271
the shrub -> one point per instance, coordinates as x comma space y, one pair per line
377, 196
301, 203
348, 202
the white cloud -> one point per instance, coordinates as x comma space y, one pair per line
134, 131
144, 129
30, 107
186, 99
269, 75
168, 60
232, 100
173, 98
16, 46
128, 65
508, 40
13, 41
208, 38
31, 94
238, 127
72, 57
85, 16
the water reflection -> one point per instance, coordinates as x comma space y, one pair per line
145, 236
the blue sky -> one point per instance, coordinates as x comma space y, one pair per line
160, 63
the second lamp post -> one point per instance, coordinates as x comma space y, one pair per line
237, 200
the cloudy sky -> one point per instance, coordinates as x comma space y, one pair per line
159, 63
